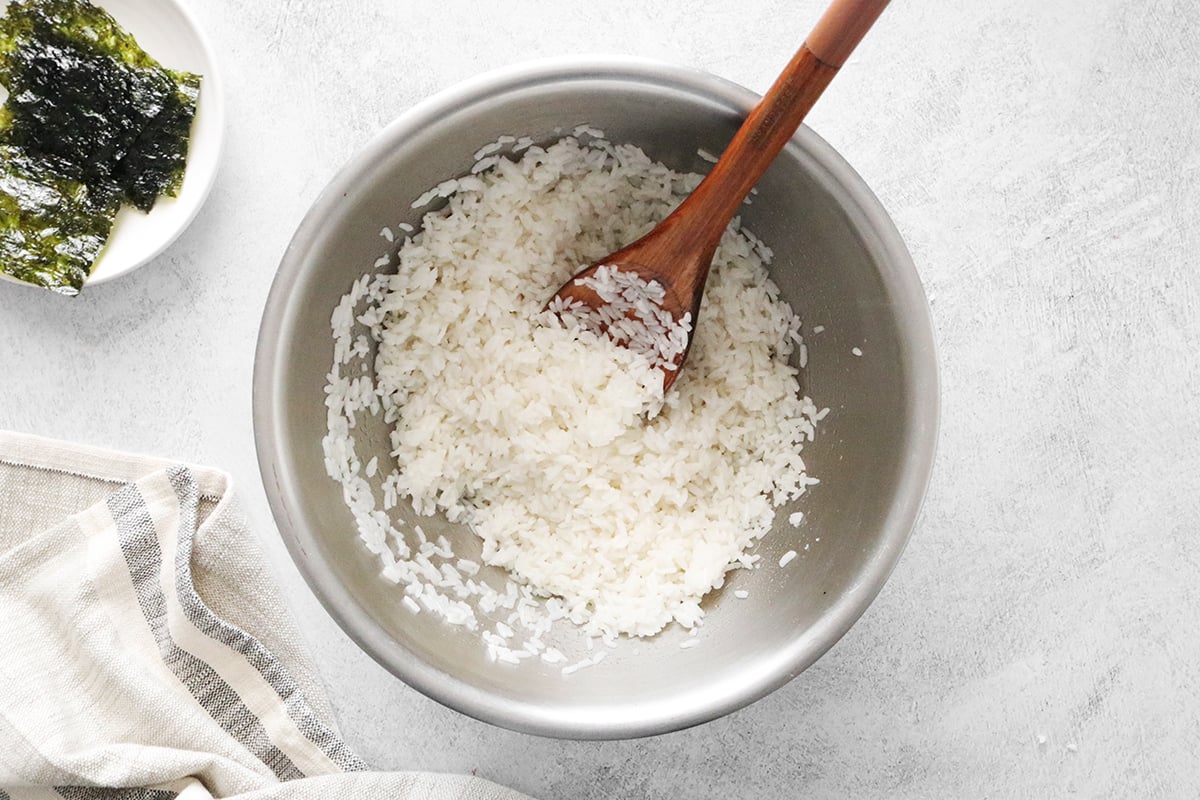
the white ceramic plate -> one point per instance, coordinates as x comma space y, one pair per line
166, 30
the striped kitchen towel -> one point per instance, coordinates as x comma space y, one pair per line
145, 654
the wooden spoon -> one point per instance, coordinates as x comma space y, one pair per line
677, 254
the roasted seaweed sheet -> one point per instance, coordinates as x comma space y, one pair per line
94, 117
51, 228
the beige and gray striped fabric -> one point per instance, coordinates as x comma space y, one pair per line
144, 651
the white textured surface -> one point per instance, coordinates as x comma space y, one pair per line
1042, 159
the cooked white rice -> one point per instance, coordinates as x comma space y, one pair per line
630, 314
608, 503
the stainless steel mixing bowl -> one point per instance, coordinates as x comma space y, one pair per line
838, 260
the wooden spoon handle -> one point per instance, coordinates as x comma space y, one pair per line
841, 28
775, 119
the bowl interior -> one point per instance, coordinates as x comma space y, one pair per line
840, 264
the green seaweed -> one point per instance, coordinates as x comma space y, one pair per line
51, 227
155, 166
99, 114
87, 97
80, 112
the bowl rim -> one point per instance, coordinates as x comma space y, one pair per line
530, 717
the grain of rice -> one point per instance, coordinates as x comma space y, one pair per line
485, 164
426, 198
587, 130
487, 150
787, 558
